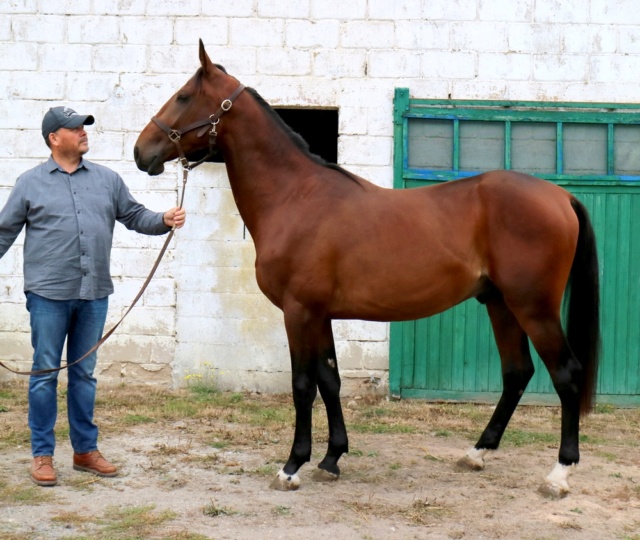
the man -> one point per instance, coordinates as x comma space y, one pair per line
69, 206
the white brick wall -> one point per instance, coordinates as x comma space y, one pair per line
203, 313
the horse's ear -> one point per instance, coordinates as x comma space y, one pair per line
205, 61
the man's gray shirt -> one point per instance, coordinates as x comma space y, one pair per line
69, 222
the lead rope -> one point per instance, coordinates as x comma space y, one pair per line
185, 174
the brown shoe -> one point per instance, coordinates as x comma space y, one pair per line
42, 471
94, 463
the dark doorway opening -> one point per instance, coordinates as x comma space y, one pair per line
319, 127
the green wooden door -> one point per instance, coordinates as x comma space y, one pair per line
593, 150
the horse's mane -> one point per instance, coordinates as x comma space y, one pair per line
296, 138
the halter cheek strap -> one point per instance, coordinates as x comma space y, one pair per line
176, 134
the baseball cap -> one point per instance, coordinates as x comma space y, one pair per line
63, 117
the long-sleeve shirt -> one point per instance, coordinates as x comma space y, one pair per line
69, 222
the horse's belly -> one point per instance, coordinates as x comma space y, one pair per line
403, 299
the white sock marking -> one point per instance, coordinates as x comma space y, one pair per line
291, 479
558, 476
476, 455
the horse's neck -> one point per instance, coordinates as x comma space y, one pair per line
264, 166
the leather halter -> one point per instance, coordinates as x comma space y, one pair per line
176, 134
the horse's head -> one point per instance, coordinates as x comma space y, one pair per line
187, 123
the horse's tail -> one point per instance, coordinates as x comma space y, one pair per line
583, 307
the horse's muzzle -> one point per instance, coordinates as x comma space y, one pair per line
152, 167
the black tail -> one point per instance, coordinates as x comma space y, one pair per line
583, 308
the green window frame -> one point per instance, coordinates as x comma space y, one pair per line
617, 125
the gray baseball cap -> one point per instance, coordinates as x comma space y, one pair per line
63, 117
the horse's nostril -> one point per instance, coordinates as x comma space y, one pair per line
136, 153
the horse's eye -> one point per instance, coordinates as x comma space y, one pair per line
182, 98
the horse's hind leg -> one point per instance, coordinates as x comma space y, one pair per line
517, 370
548, 338
329, 385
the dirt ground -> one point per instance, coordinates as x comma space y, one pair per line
393, 485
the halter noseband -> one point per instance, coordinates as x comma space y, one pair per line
176, 134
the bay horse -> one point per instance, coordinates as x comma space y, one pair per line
331, 245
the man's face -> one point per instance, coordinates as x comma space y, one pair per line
71, 141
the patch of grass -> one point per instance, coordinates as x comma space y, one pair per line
268, 415
132, 522
604, 408
219, 444
281, 510
216, 398
570, 525
380, 428
180, 408
72, 519
633, 534
265, 471
211, 509
375, 412
590, 439
424, 511
206, 462
83, 481
171, 449
185, 535
203, 390
606, 455
519, 438
235, 398
62, 429
24, 494
136, 419
15, 434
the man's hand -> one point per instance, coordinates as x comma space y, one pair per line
175, 217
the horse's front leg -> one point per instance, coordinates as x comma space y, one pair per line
329, 385
304, 330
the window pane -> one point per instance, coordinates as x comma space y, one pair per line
533, 147
585, 148
481, 146
627, 150
430, 144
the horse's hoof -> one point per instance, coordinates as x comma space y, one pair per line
555, 485
553, 491
320, 475
285, 482
467, 463
473, 460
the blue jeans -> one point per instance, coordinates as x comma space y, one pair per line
81, 322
